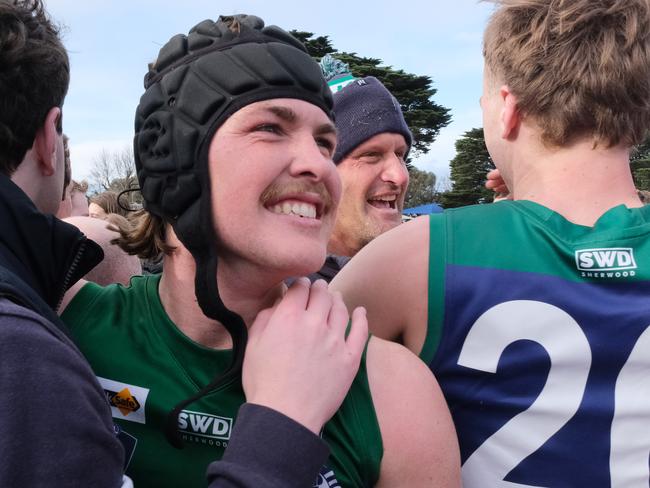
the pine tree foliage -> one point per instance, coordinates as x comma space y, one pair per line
424, 117
422, 188
469, 170
640, 165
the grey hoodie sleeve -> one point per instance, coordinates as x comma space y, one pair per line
56, 425
268, 450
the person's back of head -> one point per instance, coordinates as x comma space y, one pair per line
34, 77
103, 204
580, 69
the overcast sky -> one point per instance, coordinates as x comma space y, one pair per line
111, 42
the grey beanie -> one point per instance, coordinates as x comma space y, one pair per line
363, 109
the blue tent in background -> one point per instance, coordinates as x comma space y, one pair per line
423, 209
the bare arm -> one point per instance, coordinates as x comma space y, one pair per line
389, 277
420, 445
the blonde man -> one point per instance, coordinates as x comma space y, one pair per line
533, 313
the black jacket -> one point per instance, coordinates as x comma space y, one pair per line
56, 425
40, 256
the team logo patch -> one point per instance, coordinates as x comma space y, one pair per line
205, 428
123, 401
127, 401
326, 479
612, 262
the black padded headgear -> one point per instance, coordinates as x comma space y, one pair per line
197, 82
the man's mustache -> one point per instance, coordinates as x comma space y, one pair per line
276, 191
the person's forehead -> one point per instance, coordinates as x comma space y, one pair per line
290, 109
382, 140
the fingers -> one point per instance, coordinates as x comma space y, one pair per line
320, 301
261, 321
296, 297
358, 335
496, 183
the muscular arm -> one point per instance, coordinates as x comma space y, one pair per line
390, 278
420, 445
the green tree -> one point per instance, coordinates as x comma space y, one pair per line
422, 188
640, 165
424, 117
469, 169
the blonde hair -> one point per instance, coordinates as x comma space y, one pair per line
109, 203
579, 68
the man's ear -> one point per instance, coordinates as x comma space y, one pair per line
510, 116
45, 143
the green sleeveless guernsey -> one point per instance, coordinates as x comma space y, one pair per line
147, 365
539, 336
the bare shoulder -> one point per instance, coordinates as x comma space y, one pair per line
117, 266
389, 277
420, 446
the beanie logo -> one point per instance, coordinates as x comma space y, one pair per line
127, 401
361, 82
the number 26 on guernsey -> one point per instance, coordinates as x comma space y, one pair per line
570, 355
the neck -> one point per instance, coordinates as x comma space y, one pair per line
579, 182
338, 246
27, 178
241, 293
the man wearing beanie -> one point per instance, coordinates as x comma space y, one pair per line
373, 141
233, 147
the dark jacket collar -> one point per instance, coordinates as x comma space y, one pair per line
47, 254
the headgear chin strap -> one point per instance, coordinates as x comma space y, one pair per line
197, 82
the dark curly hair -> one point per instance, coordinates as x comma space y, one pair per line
34, 76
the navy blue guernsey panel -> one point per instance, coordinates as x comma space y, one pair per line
547, 378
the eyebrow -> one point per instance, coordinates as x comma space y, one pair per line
284, 113
325, 129
288, 115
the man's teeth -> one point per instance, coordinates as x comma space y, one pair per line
294, 208
387, 201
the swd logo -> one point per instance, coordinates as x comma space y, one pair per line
612, 262
204, 425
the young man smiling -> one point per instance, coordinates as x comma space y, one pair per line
233, 147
